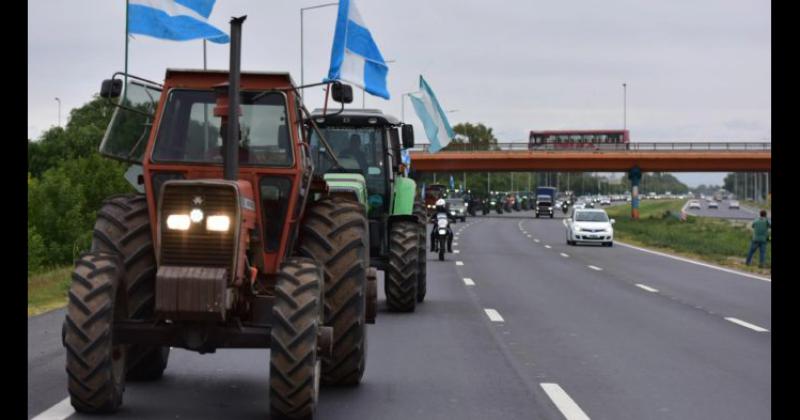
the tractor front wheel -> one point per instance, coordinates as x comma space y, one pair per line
294, 364
95, 364
401, 275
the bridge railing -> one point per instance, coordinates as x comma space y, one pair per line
634, 146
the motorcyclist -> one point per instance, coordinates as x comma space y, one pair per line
441, 208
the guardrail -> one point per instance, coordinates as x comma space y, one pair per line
634, 146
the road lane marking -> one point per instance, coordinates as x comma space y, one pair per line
536, 240
595, 268
563, 402
675, 257
746, 324
564, 255
459, 263
648, 288
548, 246
528, 235
468, 281
455, 251
59, 411
455, 243
493, 315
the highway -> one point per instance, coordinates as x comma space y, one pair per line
516, 325
723, 212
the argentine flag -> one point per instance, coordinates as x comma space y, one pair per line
177, 20
427, 107
355, 57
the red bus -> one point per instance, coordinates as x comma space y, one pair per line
579, 139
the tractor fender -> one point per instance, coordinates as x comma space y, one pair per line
350, 185
405, 190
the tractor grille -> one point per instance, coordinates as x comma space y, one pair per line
197, 246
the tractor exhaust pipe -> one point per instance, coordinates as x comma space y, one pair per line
232, 136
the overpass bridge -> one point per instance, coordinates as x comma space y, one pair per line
633, 158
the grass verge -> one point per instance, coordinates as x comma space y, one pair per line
48, 290
659, 227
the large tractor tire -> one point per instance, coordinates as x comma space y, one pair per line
95, 365
333, 234
123, 227
401, 275
422, 270
294, 363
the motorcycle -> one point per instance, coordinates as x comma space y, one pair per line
442, 236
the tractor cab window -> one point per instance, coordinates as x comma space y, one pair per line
127, 133
189, 132
361, 150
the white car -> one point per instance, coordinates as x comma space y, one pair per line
694, 204
579, 205
605, 201
733, 204
589, 226
713, 204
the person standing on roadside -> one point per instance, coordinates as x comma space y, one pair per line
761, 228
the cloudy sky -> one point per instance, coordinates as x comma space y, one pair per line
696, 70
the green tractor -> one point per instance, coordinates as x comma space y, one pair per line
368, 145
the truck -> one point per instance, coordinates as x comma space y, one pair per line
545, 200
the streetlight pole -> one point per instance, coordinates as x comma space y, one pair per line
302, 10
624, 106
59, 111
403, 104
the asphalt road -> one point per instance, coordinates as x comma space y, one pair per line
607, 333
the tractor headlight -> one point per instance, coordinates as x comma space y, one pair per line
218, 223
196, 215
178, 221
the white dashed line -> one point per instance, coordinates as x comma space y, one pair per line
595, 268
455, 251
548, 246
528, 235
535, 240
564, 255
648, 288
59, 411
468, 281
459, 263
455, 243
563, 402
746, 324
493, 315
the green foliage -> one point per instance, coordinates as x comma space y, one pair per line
36, 250
479, 137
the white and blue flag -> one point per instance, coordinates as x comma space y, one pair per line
405, 158
437, 128
355, 57
177, 20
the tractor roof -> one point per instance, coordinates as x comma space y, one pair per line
249, 79
355, 117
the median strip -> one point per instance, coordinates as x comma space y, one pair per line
648, 288
493, 315
468, 281
59, 411
746, 324
563, 402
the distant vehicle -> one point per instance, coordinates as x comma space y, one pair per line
589, 205
694, 204
579, 205
579, 139
545, 197
433, 192
591, 226
605, 201
733, 204
713, 204
458, 209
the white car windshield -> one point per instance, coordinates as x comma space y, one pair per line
591, 216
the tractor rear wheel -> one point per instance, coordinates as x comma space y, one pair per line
333, 234
401, 274
123, 227
422, 270
294, 365
95, 365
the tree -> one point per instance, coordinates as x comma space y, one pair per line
479, 137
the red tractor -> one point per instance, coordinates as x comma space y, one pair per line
236, 242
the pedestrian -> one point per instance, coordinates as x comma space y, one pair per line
761, 228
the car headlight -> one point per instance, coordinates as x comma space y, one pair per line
218, 223
178, 222
196, 215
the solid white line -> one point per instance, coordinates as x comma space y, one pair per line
468, 281
563, 402
493, 315
455, 251
59, 411
595, 268
747, 324
675, 257
548, 246
459, 263
648, 288
564, 255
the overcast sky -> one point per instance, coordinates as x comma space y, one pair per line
696, 70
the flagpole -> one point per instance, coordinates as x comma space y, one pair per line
125, 83
204, 55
